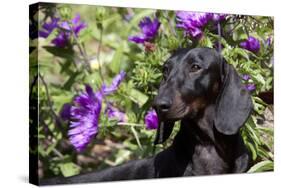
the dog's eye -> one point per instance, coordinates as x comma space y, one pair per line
195, 68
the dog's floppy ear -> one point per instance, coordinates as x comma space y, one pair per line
234, 104
164, 130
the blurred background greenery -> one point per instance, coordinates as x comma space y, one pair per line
102, 50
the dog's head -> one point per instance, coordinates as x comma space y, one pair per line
193, 79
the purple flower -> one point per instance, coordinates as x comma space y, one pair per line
48, 27
193, 19
114, 113
86, 111
250, 86
149, 30
85, 117
193, 22
63, 37
61, 40
151, 120
218, 17
76, 23
252, 44
65, 112
115, 83
246, 77
268, 42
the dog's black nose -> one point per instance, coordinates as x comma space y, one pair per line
162, 105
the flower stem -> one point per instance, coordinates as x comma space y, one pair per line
131, 124
172, 29
98, 53
82, 50
219, 33
58, 153
55, 117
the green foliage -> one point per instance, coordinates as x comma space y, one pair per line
262, 166
64, 71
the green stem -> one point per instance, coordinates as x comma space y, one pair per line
81, 49
172, 29
55, 117
55, 151
131, 124
98, 53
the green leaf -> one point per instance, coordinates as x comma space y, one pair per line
253, 150
260, 79
262, 166
122, 156
136, 137
67, 85
130, 145
265, 154
267, 130
116, 60
67, 53
242, 52
50, 148
259, 100
69, 169
206, 42
138, 97
251, 125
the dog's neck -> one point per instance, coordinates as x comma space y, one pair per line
201, 130
205, 146
202, 124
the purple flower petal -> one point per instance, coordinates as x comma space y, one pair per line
218, 17
85, 115
252, 44
246, 77
64, 25
114, 113
194, 19
115, 83
79, 27
193, 22
61, 40
44, 34
137, 39
268, 41
65, 112
195, 32
244, 44
86, 111
63, 37
149, 30
151, 120
48, 27
76, 19
250, 87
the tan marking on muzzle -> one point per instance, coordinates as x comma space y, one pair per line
198, 104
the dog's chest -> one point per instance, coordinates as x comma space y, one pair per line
206, 160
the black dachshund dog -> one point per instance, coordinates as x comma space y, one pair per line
206, 94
